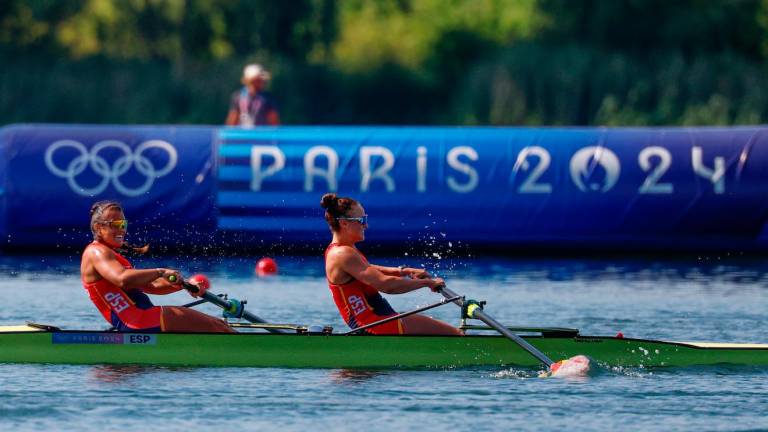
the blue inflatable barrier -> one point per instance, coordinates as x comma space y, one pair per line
594, 188
505, 187
164, 176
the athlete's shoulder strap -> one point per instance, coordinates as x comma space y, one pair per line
120, 258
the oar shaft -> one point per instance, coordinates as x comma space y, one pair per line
402, 315
482, 316
227, 305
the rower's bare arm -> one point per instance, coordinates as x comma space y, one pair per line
402, 271
108, 267
161, 286
353, 264
389, 271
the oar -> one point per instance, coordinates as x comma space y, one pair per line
402, 315
475, 310
198, 302
235, 308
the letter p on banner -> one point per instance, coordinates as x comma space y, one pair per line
257, 173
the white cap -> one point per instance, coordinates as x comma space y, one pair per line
255, 71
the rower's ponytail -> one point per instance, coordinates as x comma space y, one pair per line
335, 207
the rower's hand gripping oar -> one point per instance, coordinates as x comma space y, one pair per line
232, 308
579, 365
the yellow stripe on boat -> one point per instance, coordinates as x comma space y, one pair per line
19, 328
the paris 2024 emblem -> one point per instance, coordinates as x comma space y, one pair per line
595, 169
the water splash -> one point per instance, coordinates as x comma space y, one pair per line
515, 374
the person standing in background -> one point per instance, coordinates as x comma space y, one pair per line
251, 105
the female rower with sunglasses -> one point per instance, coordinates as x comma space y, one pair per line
120, 291
356, 284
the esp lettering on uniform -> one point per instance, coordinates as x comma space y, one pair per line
117, 301
357, 304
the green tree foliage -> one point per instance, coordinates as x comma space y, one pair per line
407, 32
691, 27
499, 62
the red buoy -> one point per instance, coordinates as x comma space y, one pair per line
619, 335
266, 267
201, 280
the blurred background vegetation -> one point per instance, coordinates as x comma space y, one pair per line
429, 62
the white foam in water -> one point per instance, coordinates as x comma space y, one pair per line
514, 374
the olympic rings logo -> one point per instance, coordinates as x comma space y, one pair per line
110, 173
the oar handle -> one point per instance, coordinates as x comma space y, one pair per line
478, 313
448, 294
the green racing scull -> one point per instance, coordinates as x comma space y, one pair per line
295, 346
304, 348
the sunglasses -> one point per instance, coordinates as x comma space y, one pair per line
363, 220
118, 224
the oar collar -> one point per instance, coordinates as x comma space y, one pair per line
470, 306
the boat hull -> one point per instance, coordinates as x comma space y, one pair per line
339, 351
